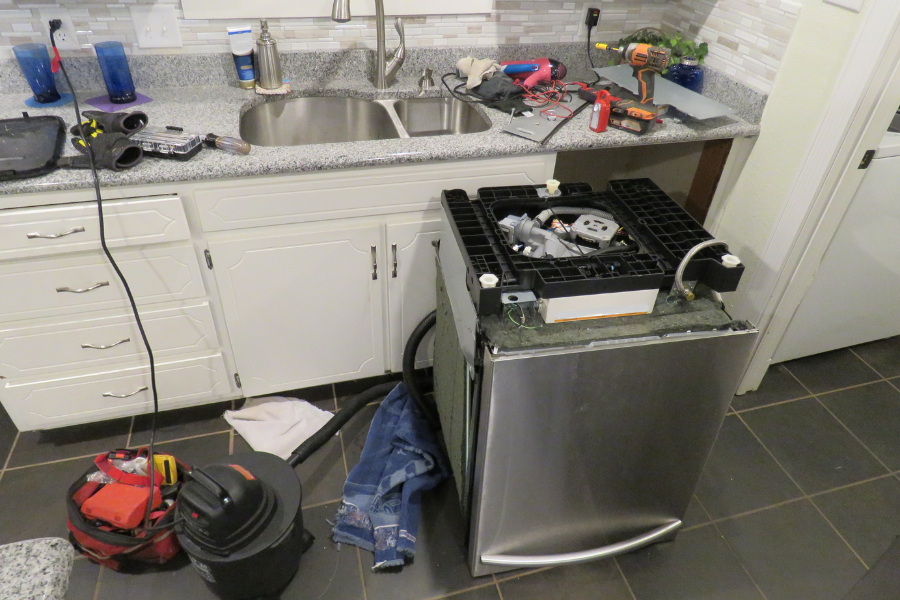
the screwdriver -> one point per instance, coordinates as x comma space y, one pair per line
228, 144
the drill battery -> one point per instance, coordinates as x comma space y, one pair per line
632, 116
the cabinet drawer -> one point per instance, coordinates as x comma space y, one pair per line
47, 230
47, 287
98, 340
44, 403
358, 192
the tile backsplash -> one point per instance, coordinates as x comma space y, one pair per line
745, 40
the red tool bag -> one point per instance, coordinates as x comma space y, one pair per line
107, 544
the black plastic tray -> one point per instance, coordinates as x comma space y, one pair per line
663, 230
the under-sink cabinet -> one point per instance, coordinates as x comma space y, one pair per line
246, 287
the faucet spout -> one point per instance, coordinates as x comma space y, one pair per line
386, 63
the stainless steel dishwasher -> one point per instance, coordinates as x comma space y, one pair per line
579, 439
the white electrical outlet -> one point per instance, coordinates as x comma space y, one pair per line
66, 37
156, 25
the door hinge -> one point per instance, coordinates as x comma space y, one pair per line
867, 159
208, 259
237, 380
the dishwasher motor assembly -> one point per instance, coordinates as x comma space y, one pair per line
574, 253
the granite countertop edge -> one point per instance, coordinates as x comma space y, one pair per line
203, 108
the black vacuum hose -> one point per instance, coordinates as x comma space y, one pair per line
318, 439
409, 369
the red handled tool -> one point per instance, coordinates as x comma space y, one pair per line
600, 112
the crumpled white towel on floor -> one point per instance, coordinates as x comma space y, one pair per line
277, 425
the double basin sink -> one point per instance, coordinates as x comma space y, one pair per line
321, 120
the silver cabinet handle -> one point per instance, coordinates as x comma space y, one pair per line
106, 347
394, 252
137, 391
53, 236
583, 556
374, 263
83, 290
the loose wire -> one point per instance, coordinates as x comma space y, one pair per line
115, 266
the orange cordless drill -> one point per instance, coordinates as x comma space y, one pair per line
647, 61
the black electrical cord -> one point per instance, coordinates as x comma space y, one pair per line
55, 24
590, 56
456, 93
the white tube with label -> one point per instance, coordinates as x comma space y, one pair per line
241, 40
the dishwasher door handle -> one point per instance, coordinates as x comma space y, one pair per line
585, 555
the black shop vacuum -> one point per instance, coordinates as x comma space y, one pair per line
239, 518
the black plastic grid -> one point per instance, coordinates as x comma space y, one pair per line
663, 230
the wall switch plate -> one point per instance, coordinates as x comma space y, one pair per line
156, 25
854, 5
66, 37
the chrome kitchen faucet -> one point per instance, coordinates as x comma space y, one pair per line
386, 63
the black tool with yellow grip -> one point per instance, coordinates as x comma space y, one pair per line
646, 61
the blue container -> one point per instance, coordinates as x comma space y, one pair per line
116, 73
35, 62
687, 74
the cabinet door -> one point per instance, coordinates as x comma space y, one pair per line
302, 304
411, 284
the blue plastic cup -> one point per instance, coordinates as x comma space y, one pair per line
116, 73
35, 62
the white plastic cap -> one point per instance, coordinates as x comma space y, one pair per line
552, 186
730, 260
489, 280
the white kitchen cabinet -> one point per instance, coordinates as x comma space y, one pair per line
411, 284
302, 303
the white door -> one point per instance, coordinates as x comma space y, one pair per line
302, 303
411, 284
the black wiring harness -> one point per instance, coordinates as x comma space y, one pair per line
56, 24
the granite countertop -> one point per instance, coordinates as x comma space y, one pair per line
217, 108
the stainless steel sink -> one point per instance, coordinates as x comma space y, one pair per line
439, 116
322, 120
300, 121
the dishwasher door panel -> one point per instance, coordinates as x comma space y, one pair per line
583, 448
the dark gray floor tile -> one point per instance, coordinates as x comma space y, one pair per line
175, 579
346, 390
36, 447
740, 475
831, 370
777, 386
695, 515
872, 413
83, 580
7, 435
867, 515
33, 500
793, 554
698, 564
598, 579
488, 592
181, 423
882, 355
354, 434
321, 396
440, 563
322, 474
197, 451
812, 445
327, 571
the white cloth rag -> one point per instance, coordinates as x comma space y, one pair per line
277, 425
476, 70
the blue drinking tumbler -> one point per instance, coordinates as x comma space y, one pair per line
35, 62
115, 70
